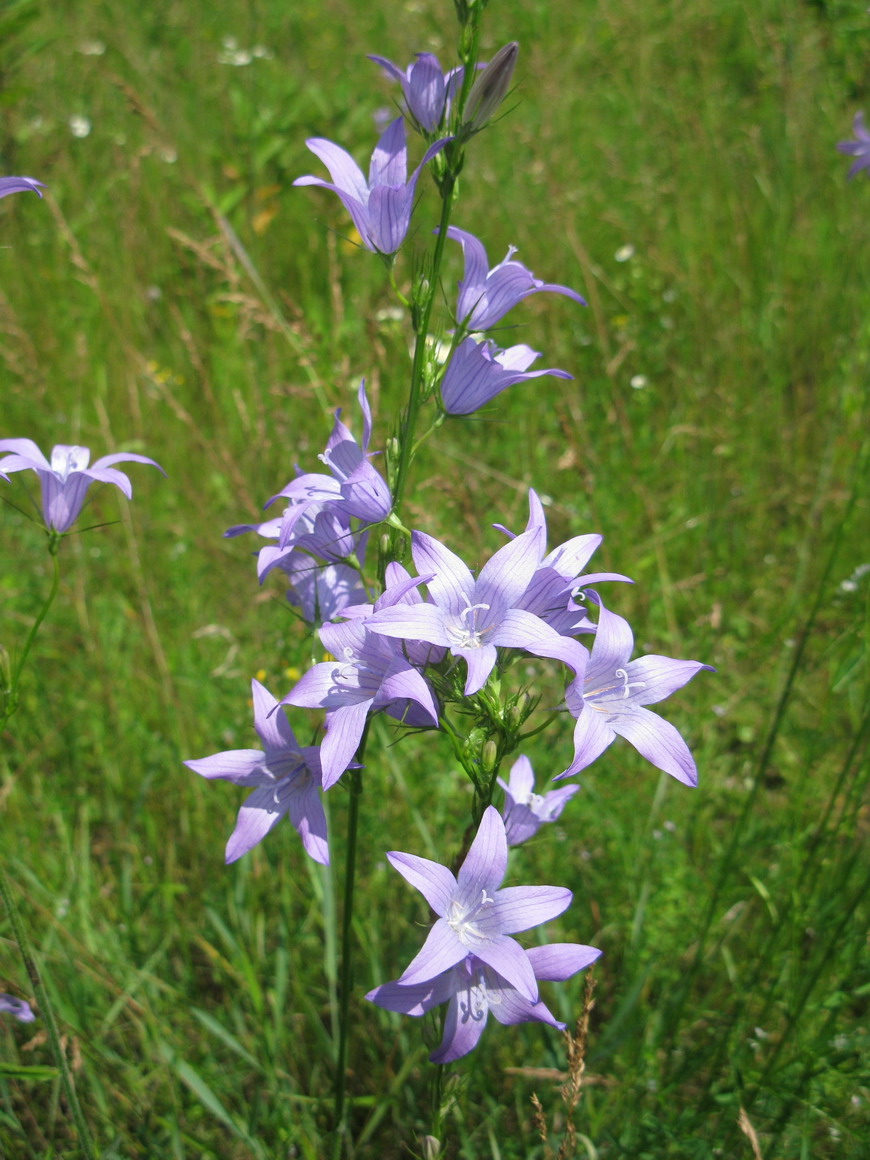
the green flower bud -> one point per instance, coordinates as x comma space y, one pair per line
489, 90
430, 1148
489, 756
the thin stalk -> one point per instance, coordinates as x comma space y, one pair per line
409, 418
339, 1118
12, 696
46, 1010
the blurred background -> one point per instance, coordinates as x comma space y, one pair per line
173, 295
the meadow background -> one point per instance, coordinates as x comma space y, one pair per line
174, 296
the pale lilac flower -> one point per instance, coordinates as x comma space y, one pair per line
859, 148
370, 674
286, 779
608, 701
524, 810
20, 185
401, 588
485, 295
380, 207
65, 480
559, 576
473, 618
473, 990
9, 1005
475, 916
427, 90
353, 490
321, 592
478, 371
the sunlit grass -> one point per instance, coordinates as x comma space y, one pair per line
175, 296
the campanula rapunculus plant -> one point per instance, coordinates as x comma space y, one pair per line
64, 480
444, 650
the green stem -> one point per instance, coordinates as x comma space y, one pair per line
19, 932
340, 1109
409, 418
11, 703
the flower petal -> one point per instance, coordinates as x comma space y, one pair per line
434, 881
522, 907
658, 741
486, 861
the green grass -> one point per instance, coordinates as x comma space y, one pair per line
198, 1000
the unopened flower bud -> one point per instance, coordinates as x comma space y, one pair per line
489, 90
430, 1148
519, 711
489, 756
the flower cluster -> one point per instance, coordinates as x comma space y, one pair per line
432, 647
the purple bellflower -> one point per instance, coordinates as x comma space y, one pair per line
485, 295
320, 585
18, 1008
369, 674
65, 480
473, 618
353, 490
559, 576
427, 90
473, 990
380, 207
859, 148
475, 916
608, 701
524, 810
285, 777
478, 371
20, 185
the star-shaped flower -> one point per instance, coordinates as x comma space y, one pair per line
524, 810
353, 490
380, 207
559, 576
473, 618
485, 295
369, 674
286, 779
608, 701
65, 480
475, 916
